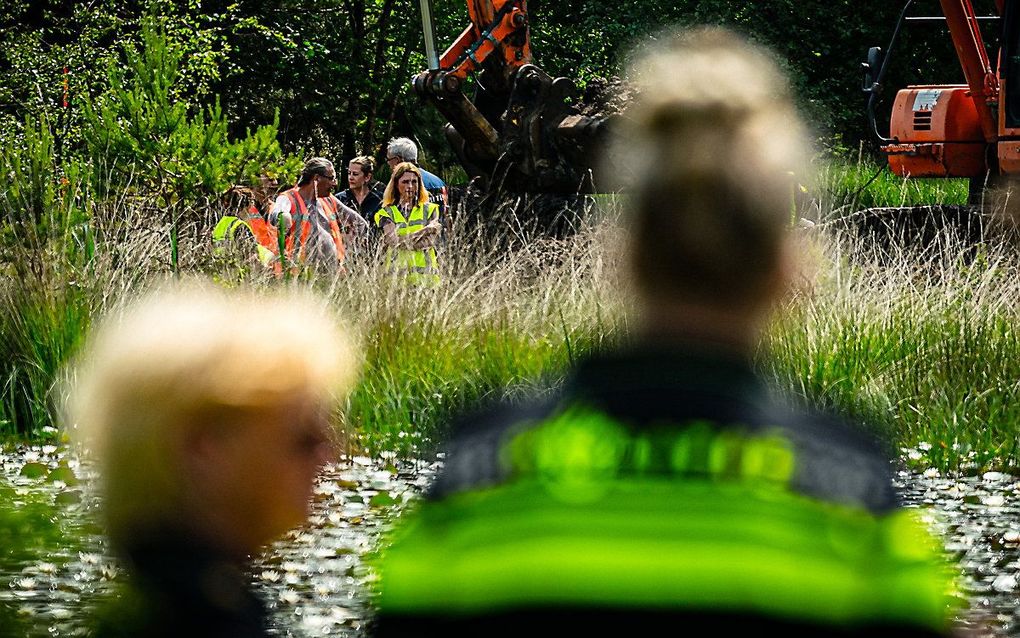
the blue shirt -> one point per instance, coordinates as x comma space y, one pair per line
436, 188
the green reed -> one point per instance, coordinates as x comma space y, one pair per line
920, 342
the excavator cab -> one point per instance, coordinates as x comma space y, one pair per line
970, 129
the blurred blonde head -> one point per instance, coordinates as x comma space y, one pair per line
194, 361
714, 142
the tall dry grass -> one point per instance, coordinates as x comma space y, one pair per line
512, 314
921, 341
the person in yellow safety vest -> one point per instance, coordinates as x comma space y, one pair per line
315, 220
410, 227
225, 231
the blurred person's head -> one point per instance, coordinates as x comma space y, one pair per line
714, 142
405, 185
318, 171
401, 149
359, 171
204, 419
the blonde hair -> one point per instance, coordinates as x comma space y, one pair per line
392, 194
186, 358
715, 144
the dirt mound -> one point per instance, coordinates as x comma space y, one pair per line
605, 96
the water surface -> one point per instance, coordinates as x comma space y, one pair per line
314, 580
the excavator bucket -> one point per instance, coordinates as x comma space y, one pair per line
523, 131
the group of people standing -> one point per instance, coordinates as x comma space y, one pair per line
662, 486
309, 225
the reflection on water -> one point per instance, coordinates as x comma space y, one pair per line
978, 518
315, 580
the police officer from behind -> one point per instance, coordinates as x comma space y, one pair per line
664, 484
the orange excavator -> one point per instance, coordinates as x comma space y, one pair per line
967, 130
522, 130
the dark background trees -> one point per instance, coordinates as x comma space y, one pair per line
337, 71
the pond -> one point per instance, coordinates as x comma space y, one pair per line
314, 580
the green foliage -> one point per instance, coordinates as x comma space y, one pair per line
55, 55
920, 342
143, 143
338, 73
41, 328
144, 136
845, 187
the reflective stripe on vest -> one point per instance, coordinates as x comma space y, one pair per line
584, 522
420, 266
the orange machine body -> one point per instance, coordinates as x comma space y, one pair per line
937, 132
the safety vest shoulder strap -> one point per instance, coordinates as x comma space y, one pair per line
226, 227
330, 204
297, 204
432, 211
396, 214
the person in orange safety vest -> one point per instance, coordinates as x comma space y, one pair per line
316, 222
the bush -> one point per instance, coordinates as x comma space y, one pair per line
143, 138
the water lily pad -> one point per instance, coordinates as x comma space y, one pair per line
61, 613
994, 500
382, 499
34, 470
69, 497
995, 476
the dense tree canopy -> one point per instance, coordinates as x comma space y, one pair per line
337, 71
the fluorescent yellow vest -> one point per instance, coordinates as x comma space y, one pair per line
421, 266
225, 230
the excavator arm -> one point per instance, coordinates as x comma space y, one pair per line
521, 130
